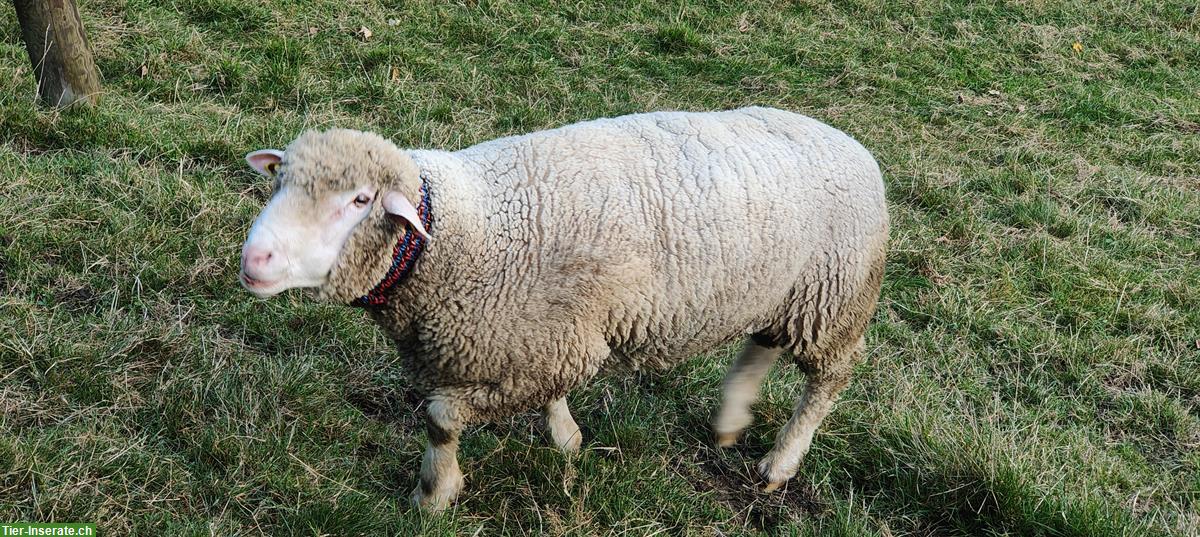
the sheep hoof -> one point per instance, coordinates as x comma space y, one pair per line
725, 440
571, 445
773, 474
436, 500
567, 442
772, 487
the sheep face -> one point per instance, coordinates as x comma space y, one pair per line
297, 238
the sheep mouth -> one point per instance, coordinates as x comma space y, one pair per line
256, 286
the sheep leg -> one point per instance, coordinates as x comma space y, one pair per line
562, 427
441, 479
821, 390
740, 390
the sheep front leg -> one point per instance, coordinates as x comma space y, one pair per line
441, 479
562, 427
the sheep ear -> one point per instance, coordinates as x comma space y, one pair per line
265, 161
395, 203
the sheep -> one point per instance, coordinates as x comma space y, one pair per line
513, 271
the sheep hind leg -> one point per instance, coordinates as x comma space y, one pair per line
740, 390
821, 391
561, 426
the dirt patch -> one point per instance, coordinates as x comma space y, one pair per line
736, 485
77, 298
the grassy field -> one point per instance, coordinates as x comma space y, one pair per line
1034, 368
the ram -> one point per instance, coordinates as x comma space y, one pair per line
513, 271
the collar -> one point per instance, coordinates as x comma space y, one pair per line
404, 256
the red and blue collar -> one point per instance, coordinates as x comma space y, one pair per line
404, 256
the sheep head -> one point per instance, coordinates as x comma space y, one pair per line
338, 198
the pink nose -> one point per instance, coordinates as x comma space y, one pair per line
256, 260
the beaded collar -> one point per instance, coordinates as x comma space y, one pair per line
404, 255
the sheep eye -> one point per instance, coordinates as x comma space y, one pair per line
362, 199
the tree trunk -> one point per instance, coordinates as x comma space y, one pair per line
58, 50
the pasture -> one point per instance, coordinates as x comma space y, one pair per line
1034, 367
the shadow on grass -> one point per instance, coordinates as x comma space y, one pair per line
963, 485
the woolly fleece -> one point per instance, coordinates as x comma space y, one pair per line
612, 244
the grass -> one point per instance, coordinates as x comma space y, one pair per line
1034, 367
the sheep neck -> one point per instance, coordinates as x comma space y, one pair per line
404, 255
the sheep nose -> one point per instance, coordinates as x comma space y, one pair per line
256, 260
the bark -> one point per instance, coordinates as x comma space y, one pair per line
59, 52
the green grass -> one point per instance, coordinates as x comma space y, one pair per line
1034, 367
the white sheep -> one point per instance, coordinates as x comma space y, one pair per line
513, 271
